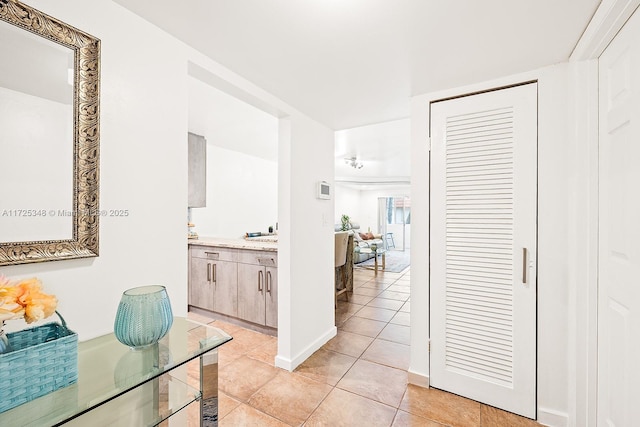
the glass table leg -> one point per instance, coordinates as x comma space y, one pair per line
209, 388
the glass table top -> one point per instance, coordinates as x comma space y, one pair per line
378, 251
107, 369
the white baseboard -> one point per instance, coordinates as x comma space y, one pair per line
547, 417
283, 363
552, 418
420, 380
291, 364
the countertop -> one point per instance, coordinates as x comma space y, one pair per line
234, 243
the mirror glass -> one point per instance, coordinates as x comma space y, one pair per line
36, 137
49, 138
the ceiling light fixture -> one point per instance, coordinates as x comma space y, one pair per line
354, 163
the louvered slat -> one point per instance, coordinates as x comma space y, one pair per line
479, 245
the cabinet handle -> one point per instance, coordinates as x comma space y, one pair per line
269, 281
208, 272
215, 273
525, 265
260, 278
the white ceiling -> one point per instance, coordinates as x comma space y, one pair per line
347, 63
383, 150
351, 63
230, 123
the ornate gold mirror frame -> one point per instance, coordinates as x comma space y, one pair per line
86, 139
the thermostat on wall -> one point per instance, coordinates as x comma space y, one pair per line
324, 190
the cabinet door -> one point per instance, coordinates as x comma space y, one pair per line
225, 287
251, 290
271, 297
200, 285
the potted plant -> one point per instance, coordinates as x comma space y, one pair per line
346, 224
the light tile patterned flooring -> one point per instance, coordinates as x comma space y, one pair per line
359, 378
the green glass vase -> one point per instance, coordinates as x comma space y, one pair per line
144, 316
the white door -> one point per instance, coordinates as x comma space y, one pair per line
619, 231
483, 247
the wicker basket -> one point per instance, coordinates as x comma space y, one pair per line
42, 359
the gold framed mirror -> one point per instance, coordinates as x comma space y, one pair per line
49, 138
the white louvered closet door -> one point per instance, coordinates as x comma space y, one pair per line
483, 247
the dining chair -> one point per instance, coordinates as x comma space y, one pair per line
341, 242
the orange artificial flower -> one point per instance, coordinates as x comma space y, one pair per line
25, 299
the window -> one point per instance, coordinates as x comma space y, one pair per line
398, 210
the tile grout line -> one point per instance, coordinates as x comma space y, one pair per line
368, 346
387, 323
333, 387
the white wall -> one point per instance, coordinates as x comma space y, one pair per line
583, 243
553, 252
242, 195
229, 122
553, 257
143, 168
305, 242
242, 168
144, 120
368, 218
347, 202
305, 156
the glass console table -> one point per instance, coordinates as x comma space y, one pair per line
120, 386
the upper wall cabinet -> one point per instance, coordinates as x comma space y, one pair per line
197, 171
49, 138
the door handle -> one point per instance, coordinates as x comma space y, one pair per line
260, 279
215, 273
208, 272
525, 265
269, 281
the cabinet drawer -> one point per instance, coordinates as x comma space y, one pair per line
214, 253
266, 258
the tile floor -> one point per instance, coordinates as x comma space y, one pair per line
359, 378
